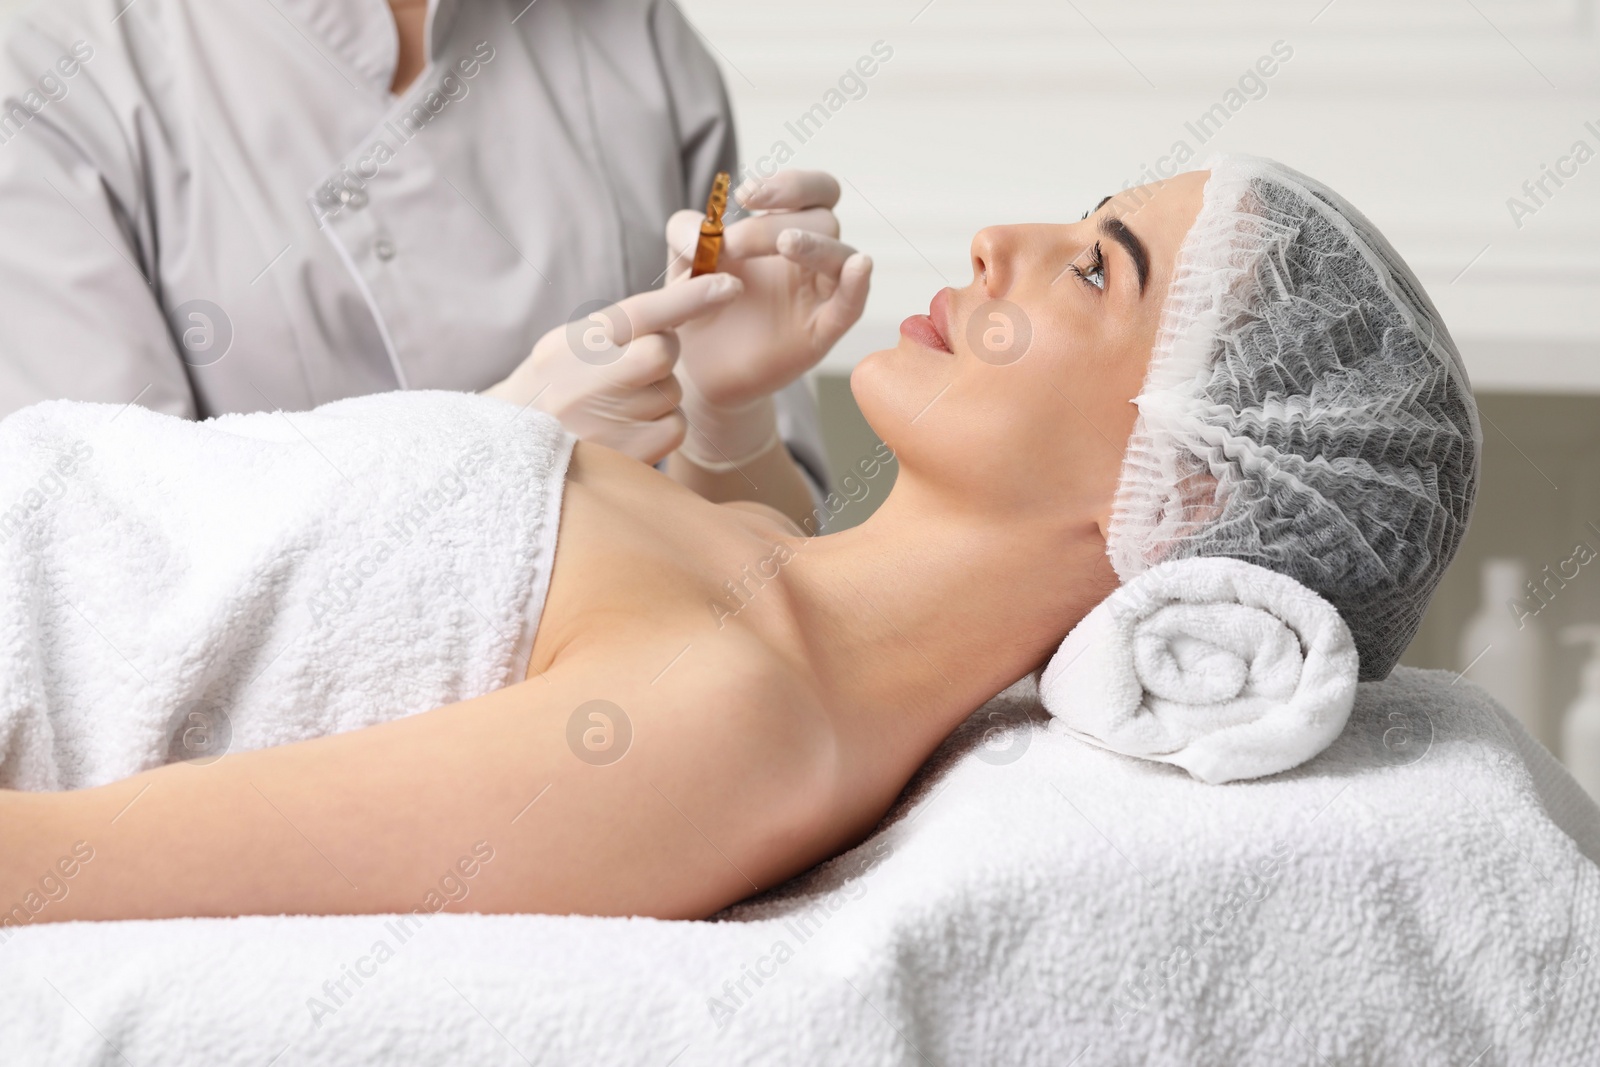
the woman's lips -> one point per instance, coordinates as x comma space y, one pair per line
931, 330
920, 328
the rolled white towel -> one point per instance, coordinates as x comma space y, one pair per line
1220, 667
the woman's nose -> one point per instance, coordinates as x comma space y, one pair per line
993, 251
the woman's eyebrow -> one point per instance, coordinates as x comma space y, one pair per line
1097, 207
1118, 231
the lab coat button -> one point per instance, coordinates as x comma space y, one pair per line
383, 249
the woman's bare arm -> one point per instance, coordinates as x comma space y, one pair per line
720, 791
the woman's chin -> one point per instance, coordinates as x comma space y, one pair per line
871, 375
892, 385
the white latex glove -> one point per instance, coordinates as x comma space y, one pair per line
803, 288
608, 376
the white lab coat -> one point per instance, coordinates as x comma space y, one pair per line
218, 205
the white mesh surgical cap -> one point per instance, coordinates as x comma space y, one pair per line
1305, 410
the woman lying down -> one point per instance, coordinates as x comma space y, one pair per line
364, 622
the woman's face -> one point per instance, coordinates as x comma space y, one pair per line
1014, 394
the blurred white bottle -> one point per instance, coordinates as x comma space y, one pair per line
1502, 649
1580, 732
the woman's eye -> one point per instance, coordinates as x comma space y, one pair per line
1095, 274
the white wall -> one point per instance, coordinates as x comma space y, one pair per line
1428, 114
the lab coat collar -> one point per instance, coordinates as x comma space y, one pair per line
441, 17
359, 36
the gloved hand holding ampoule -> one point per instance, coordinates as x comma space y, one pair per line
802, 289
608, 377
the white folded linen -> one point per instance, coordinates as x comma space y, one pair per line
175, 590
1220, 667
1409, 896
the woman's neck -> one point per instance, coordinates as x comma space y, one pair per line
926, 610
411, 23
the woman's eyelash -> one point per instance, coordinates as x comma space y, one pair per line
1096, 274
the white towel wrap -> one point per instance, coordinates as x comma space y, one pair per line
173, 589
1220, 667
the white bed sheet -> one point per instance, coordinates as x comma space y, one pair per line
1409, 896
